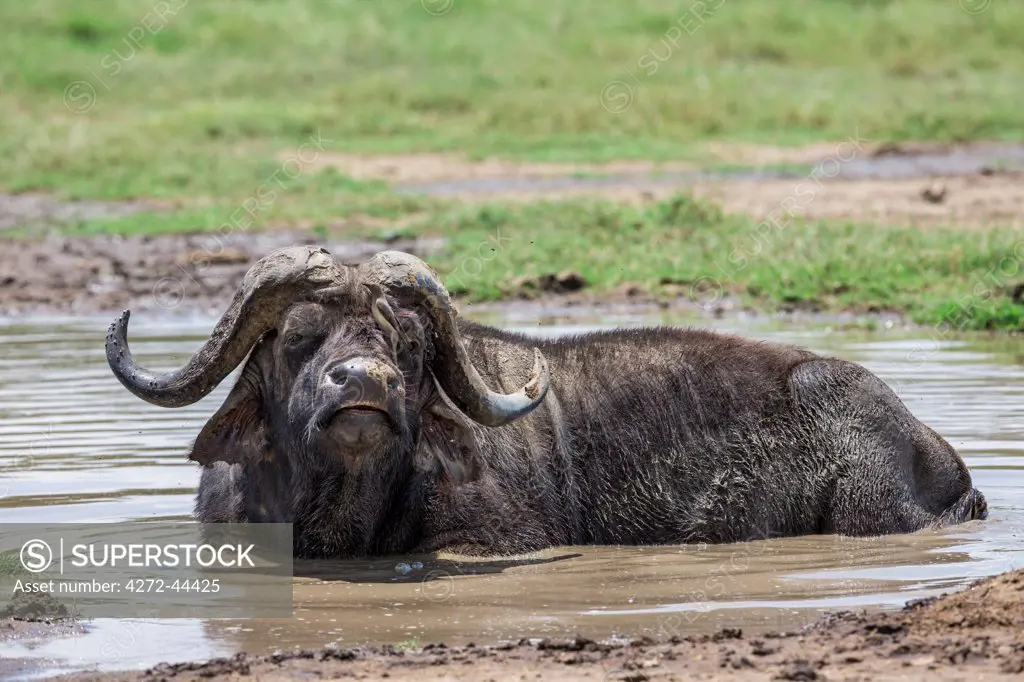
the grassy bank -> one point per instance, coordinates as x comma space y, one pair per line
963, 278
960, 278
196, 100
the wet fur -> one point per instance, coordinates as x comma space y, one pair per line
647, 436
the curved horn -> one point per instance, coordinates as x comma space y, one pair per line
403, 274
269, 287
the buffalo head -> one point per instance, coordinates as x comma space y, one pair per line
342, 361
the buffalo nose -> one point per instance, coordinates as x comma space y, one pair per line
361, 379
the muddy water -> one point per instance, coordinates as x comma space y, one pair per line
75, 447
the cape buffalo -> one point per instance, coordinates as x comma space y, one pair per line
376, 422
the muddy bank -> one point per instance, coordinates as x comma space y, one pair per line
33, 631
33, 619
199, 273
974, 634
192, 274
196, 272
912, 185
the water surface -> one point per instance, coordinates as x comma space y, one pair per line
76, 447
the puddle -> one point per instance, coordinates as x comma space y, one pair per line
76, 447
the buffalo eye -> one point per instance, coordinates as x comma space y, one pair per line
296, 341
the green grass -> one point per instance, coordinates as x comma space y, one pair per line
685, 248
10, 565
198, 105
197, 109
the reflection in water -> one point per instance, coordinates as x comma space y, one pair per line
75, 446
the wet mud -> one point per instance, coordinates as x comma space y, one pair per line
33, 619
197, 271
975, 634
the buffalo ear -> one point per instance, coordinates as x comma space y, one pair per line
237, 432
447, 443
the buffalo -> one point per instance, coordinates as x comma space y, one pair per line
376, 422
